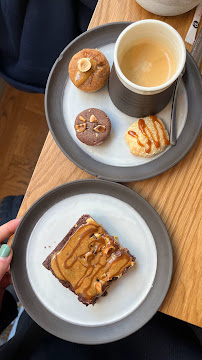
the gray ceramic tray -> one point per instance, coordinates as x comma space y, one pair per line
85, 334
98, 37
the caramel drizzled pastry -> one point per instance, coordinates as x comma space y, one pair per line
88, 259
147, 137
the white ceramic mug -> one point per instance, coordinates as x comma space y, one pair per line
136, 100
168, 7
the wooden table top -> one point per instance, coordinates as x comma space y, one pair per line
175, 194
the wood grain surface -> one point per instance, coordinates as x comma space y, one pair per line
175, 194
23, 130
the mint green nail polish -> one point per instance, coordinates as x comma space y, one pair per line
5, 250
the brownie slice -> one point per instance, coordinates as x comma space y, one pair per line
88, 259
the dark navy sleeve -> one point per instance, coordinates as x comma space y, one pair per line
8, 312
33, 34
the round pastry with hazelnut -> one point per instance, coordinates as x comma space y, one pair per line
89, 70
147, 137
92, 126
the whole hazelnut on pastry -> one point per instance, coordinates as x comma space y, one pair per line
89, 70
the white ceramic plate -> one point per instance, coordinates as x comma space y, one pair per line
112, 160
119, 219
114, 151
123, 213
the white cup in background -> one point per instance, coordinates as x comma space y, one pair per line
168, 7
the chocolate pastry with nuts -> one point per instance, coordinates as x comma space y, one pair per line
88, 260
89, 70
92, 126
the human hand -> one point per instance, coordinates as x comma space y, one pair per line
6, 254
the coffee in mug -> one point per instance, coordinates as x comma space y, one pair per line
148, 63
149, 55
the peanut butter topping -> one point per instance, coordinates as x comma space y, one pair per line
90, 259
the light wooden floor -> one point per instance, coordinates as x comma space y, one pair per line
23, 130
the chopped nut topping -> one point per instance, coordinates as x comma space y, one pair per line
104, 278
82, 119
93, 118
99, 128
80, 127
89, 253
84, 64
98, 287
118, 253
97, 235
106, 250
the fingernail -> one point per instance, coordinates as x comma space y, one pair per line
5, 250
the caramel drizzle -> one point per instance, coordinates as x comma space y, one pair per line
123, 266
99, 243
89, 231
81, 77
134, 134
154, 120
113, 261
85, 291
58, 266
86, 233
145, 131
71, 254
91, 267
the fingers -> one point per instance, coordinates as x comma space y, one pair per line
8, 229
6, 254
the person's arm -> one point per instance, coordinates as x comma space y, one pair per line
8, 306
